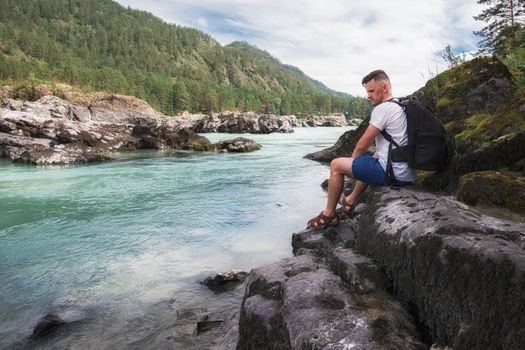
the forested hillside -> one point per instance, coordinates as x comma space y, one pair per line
100, 45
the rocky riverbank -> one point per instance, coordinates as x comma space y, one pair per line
413, 269
92, 128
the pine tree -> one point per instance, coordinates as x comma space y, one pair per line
503, 18
181, 97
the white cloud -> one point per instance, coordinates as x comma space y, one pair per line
337, 41
202, 22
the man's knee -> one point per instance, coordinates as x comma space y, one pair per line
341, 165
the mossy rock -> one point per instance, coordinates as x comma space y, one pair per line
481, 130
479, 85
493, 188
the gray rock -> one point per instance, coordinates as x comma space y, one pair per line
237, 123
336, 120
462, 273
53, 131
362, 275
196, 328
225, 281
343, 147
238, 145
298, 303
504, 153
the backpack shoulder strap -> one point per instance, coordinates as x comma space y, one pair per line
388, 137
397, 102
383, 132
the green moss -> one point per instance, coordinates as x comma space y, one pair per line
481, 129
443, 102
450, 89
422, 175
502, 189
472, 127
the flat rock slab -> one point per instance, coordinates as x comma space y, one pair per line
462, 273
298, 303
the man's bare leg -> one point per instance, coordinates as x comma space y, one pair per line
353, 197
339, 167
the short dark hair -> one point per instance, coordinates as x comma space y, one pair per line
378, 74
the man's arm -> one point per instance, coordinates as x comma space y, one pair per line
365, 141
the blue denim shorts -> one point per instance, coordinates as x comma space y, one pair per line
368, 169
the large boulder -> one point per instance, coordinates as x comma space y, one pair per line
326, 297
238, 145
493, 188
334, 120
461, 273
343, 147
119, 109
239, 123
298, 303
479, 85
502, 153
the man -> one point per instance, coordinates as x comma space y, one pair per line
367, 169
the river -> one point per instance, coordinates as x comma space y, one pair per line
116, 248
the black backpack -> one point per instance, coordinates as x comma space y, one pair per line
428, 148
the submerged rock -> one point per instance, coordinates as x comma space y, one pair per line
197, 328
46, 325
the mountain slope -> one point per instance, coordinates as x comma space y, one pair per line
100, 45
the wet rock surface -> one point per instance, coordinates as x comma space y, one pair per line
197, 328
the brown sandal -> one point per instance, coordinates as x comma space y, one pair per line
346, 206
323, 221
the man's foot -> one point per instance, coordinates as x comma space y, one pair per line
346, 205
323, 221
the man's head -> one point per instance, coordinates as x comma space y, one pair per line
377, 85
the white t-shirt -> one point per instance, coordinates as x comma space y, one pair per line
391, 117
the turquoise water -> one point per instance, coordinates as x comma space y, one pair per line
115, 248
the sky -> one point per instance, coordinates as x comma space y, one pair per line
337, 41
